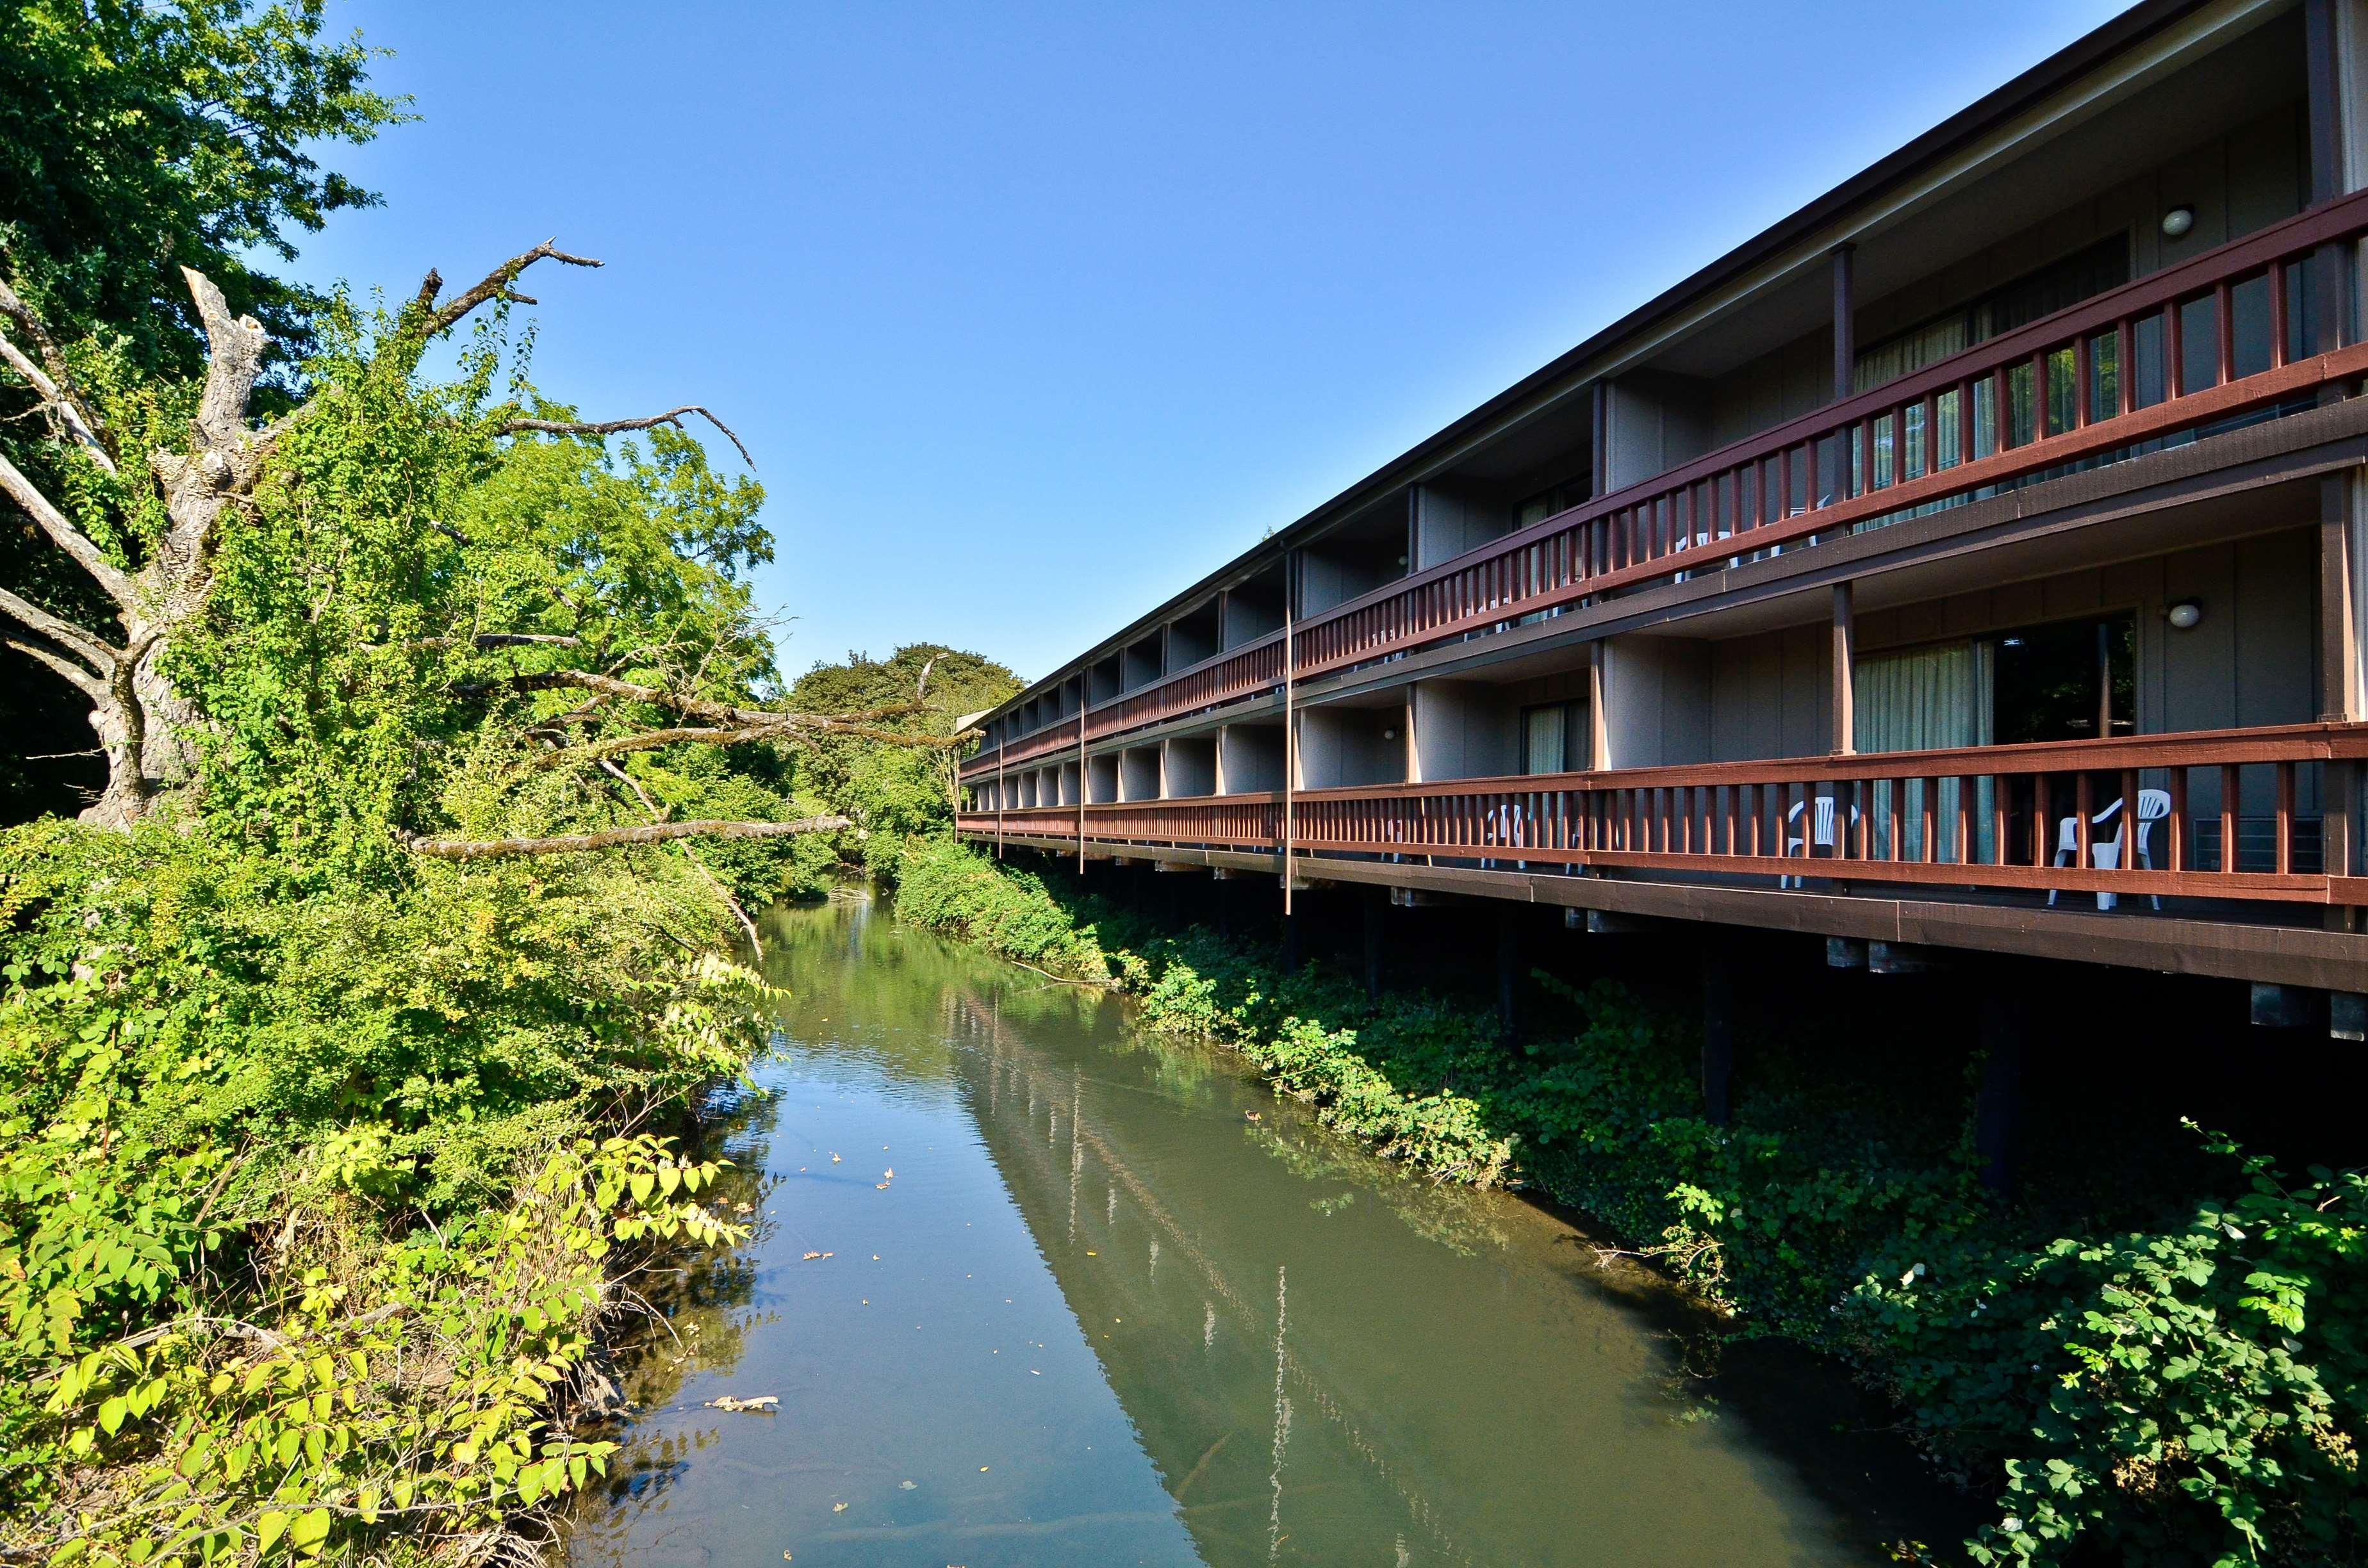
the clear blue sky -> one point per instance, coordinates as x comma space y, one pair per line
1032, 314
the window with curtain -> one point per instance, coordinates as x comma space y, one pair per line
1928, 699
1554, 737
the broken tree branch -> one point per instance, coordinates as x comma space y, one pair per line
90, 684
616, 426
647, 740
234, 346
60, 373
59, 630
67, 407
484, 640
690, 853
64, 535
771, 722
611, 838
495, 285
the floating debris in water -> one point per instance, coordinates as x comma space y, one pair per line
729, 1402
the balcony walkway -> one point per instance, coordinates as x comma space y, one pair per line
1941, 848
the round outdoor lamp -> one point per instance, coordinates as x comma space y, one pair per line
2184, 614
2178, 220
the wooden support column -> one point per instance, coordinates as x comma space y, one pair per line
1718, 1039
1376, 911
1509, 972
2331, 264
1997, 1105
1845, 322
1598, 733
1002, 789
1599, 479
1844, 673
1081, 773
2339, 674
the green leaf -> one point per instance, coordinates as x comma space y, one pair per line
307, 1533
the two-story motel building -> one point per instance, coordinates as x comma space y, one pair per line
1969, 561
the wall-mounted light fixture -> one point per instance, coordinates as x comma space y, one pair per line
2178, 220
2184, 614
1389, 734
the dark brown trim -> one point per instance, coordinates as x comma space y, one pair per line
2280, 955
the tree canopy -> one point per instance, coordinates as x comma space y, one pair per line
137, 138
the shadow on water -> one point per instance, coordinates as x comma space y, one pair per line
1092, 1295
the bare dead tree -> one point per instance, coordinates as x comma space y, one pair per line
146, 729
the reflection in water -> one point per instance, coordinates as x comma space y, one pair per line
1098, 1316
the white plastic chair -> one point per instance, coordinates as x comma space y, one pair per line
1821, 831
2106, 853
1506, 825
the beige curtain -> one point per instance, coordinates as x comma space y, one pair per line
1926, 699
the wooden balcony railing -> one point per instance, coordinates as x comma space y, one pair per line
2218, 815
2212, 339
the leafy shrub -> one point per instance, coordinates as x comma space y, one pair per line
302, 1216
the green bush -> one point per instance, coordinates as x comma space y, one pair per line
306, 1191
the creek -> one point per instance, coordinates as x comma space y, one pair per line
1089, 1294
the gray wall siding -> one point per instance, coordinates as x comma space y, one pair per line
1191, 767
1449, 521
1656, 701
1343, 746
1138, 773
1249, 759
1465, 730
1652, 424
1771, 695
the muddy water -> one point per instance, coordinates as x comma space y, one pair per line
1093, 1296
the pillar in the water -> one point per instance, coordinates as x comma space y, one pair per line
1509, 972
1718, 1039
1997, 1105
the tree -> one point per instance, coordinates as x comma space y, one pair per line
898, 789
168, 482
137, 138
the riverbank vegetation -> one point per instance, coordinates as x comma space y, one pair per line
2167, 1384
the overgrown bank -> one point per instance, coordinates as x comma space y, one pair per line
310, 1197
2187, 1389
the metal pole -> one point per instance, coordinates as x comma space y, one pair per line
1290, 729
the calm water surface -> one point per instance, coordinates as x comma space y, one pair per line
1098, 1315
